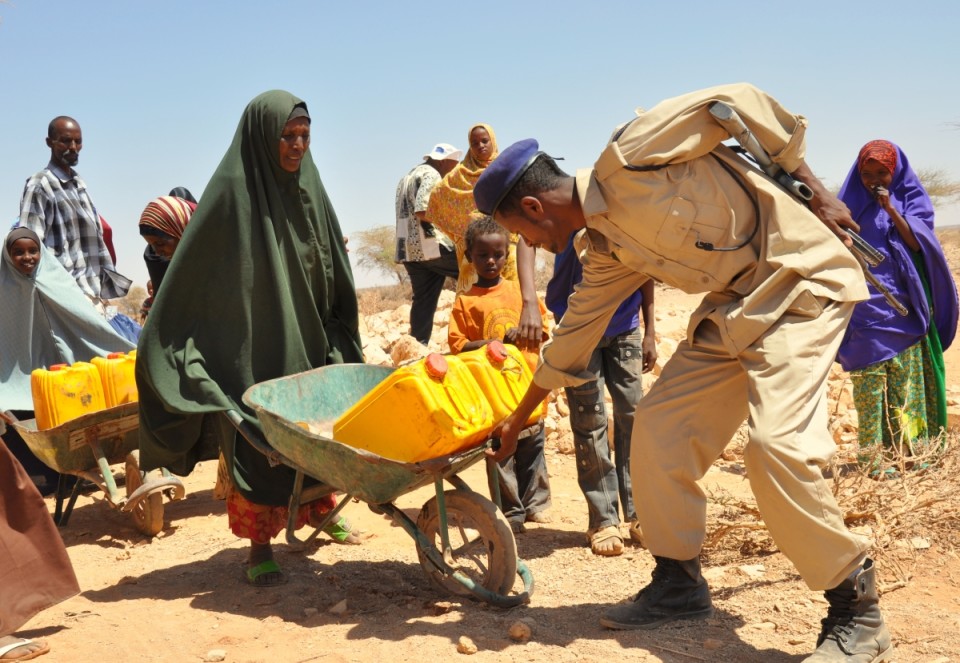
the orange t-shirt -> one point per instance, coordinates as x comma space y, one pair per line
487, 313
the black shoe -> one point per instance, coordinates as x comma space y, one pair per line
676, 591
853, 631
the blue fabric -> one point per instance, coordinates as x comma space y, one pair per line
568, 272
876, 332
126, 327
45, 319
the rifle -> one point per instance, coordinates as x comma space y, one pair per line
865, 254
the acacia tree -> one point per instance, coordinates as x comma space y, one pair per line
376, 252
939, 186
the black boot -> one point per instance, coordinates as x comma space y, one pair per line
853, 631
676, 591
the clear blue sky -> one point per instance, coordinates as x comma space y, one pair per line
158, 87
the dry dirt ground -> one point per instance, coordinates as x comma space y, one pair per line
181, 596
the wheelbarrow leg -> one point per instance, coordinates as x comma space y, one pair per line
61, 516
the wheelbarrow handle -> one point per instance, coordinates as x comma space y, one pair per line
255, 437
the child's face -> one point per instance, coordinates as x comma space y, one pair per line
25, 254
488, 255
162, 246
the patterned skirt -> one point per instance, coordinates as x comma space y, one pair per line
261, 523
902, 401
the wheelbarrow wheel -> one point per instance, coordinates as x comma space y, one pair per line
148, 514
481, 542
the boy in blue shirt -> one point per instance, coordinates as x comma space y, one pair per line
618, 361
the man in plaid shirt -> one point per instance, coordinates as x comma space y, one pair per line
56, 206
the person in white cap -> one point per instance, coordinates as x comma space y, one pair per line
425, 252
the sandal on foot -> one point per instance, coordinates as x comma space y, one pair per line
517, 527
606, 541
42, 648
266, 574
341, 532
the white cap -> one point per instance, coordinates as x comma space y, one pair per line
442, 151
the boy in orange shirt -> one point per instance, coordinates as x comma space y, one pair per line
490, 311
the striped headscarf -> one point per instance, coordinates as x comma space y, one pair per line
167, 214
882, 151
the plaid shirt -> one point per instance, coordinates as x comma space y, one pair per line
56, 206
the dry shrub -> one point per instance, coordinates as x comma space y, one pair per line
383, 298
911, 504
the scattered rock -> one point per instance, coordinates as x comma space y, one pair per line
520, 631
405, 349
752, 570
442, 607
466, 646
310, 612
712, 643
215, 655
339, 609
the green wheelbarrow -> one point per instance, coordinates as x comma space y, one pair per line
464, 543
86, 447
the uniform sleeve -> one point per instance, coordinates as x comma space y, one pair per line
606, 283
457, 329
681, 129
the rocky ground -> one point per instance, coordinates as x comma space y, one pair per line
181, 595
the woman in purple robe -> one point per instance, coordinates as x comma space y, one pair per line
896, 362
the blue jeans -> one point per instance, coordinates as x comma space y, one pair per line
524, 482
618, 364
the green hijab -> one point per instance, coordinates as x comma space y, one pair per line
260, 287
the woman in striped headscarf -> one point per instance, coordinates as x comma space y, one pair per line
895, 362
161, 226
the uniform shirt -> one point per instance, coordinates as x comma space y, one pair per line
641, 224
487, 313
417, 240
56, 206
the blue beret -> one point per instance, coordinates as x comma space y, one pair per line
499, 177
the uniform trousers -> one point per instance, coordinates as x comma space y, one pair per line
778, 384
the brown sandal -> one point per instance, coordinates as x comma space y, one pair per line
606, 541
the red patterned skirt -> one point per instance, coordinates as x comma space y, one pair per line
260, 523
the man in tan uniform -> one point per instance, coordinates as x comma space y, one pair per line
666, 200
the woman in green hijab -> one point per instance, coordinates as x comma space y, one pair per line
260, 287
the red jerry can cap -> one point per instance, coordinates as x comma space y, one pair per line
436, 365
115, 355
58, 367
496, 352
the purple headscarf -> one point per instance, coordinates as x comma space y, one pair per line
876, 332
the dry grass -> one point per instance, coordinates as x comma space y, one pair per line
382, 298
913, 505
